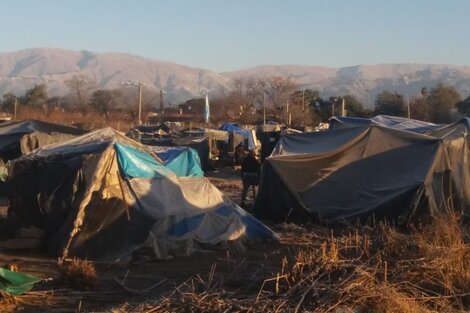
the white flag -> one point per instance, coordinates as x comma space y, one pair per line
207, 109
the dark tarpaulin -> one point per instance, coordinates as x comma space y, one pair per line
394, 122
110, 229
11, 134
269, 141
359, 171
318, 142
59, 188
49, 188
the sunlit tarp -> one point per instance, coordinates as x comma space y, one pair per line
135, 163
395, 122
183, 161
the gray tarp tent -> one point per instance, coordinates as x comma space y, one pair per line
364, 170
17, 138
394, 122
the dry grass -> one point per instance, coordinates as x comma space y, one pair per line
360, 269
79, 274
120, 121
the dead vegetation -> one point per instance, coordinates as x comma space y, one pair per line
78, 274
353, 268
359, 269
120, 121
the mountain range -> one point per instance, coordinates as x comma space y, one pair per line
20, 70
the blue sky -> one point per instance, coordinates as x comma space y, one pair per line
225, 35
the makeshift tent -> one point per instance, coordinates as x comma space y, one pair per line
17, 138
201, 141
364, 170
214, 134
269, 141
183, 161
395, 122
203, 146
102, 195
250, 135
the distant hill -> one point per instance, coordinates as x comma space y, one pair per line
22, 69
366, 81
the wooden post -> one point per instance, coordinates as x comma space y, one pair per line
139, 110
15, 108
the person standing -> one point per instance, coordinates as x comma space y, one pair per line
239, 153
249, 172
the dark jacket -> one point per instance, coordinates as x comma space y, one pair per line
250, 165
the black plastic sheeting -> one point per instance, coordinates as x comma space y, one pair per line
12, 132
268, 141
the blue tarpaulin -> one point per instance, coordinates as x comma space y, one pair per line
183, 161
136, 163
253, 227
233, 127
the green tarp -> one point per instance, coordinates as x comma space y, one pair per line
15, 283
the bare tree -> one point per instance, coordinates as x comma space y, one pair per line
240, 102
81, 86
277, 90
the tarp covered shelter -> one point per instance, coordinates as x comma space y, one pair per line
101, 196
367, 169
394, 122
202, 142
202, 145
17, 138
249, 134
183, 161
214, 134
269, 141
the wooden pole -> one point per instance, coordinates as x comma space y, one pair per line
343, 107
408, 105
303, 107
139, 110
15, 108
264, 110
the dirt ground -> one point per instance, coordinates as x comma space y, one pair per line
258, 261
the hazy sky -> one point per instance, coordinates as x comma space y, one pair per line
227, 35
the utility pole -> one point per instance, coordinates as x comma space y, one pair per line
15, 107
139, 111
287, 113
303, 107
343, 107
162, 105
408, 105
264, 109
